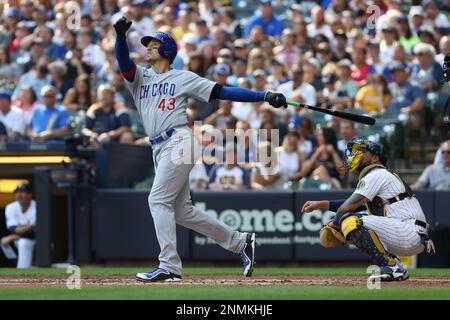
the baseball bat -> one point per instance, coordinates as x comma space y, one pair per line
344, 115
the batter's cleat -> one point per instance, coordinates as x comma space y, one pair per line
395, 273
248, 254
158, 275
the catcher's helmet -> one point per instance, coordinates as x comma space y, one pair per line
355, 150
168, 48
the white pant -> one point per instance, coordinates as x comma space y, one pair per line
398, 237
25, 248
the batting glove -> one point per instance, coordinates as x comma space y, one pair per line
122, 25
276, 100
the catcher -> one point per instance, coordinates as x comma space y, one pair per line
395, 225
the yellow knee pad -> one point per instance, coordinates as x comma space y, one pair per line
349, 224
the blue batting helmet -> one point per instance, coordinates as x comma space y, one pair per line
168, 48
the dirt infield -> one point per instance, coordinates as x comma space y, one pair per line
337, 281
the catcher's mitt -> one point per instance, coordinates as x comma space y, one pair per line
330, 237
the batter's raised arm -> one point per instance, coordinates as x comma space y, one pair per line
276, 100
127, 67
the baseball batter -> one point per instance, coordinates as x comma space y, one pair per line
160, 94
396, 224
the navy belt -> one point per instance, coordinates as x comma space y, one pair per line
162, 137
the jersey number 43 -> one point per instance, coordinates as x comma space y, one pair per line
170, 105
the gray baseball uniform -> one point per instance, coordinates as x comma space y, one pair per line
161, 100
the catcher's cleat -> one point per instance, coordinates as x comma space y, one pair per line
395, 273
248, 254
158, 275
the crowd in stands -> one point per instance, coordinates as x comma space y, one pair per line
59, 76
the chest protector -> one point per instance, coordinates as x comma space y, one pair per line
377, 206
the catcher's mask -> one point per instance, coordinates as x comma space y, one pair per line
355, 151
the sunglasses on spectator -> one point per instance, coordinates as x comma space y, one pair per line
445, 151
49, 95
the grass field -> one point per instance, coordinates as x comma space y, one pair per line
348, 283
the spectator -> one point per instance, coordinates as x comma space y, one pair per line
346, 88
183, 25
3, 133
107, 120
256, 60
92, 53
287, 51
329, 92
12, 117
48, 120
219, 118
230, 24
59, 79
416, 19
373, 97
266, 174
239, 71
347, 132
80, 96
290, 160
426, 73
26, 101
373, 48
434, 16
312, 75
36, 78
340, 45
202, 31
399, 55
266, 19
229, 176
325, 57
405, 97
246, 147
436, 176
360, 68
278, 74
444, 49
326, 161
240, 49
259, 80
306, 90
318, 25
9, 70
212, 151
407, 38
21, 223
426, 35
390, 36
123, 95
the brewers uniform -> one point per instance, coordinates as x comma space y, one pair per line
161, 100
396, 224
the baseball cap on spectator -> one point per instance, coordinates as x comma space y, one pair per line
424, 48
426, 30
276, 62
340, 33
329, 78
5, 95
389, 28
345, 63
259, 73
40, 8
189, 38
396, 65
296, 7
266, 2
207, 128
426, 3
23, 186
373, 44
225, 53
314, 62
200, 22
12, 12
37, 40
222, 69
416, 11
240, 43
139, 3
